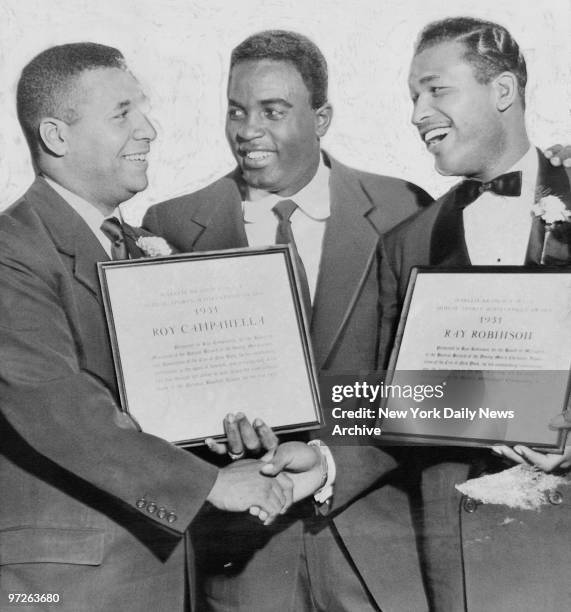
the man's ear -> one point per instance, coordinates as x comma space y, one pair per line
323, 116
505, 86
53, 134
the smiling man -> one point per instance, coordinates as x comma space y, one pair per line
285, 157
452, 103
94, 512
467, 82
278, 112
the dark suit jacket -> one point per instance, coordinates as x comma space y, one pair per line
509, 560
344, 332
77, 477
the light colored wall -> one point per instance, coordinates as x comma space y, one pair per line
179, 49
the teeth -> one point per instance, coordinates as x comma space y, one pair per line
257, 155
439, 133
136, 157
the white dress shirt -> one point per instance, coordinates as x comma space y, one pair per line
308, 221
496, 227
89, 213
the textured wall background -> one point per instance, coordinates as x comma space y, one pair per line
179, 49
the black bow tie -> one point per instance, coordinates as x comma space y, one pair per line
506, 185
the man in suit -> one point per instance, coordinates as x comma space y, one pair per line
94, 511
467, 83
365, 557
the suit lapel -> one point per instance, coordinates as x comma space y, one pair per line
79, 250
131, 236
220, 224
551, 180
349, 247
537, 233
448, 242
535, 244
70, 234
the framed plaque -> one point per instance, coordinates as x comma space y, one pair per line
481, 356
199, 335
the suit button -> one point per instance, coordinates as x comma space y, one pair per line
555, 498
171, 518
152, 508
162, 513
141, 503
470, 505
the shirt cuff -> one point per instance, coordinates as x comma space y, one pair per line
325, 493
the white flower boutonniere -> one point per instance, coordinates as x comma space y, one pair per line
154, 246
556, 216
552, 210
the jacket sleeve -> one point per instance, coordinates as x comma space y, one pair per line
359, 468
67, 414
390, 307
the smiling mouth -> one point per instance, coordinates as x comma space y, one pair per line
136, 157
435, 136
256, 160
256, 155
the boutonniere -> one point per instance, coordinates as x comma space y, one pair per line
154, 246
552, 210
142, 243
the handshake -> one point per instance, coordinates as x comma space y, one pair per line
268, 486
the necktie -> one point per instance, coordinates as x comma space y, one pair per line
112, 228
506, 184
284, 235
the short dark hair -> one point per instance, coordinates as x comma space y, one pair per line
284, 46
46, 84
490, 48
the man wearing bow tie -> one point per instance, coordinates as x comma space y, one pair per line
467, 82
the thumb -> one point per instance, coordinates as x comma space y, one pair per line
561, 421
522, 451
267, 457
276, 464
269, 469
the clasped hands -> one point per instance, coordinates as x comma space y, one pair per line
266, 487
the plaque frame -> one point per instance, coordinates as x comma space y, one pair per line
117, 300
393, 435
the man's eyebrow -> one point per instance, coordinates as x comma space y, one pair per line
265, 102
281, 101
428, 78
122, 105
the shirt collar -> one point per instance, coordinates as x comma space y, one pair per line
528, 165
313, 199
89, 213
92, 216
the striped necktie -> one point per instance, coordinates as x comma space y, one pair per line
113, 229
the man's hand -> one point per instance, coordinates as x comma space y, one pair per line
241, 485
559, 155
543, 461
293, 457
303, 464
243, 437
561, 421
